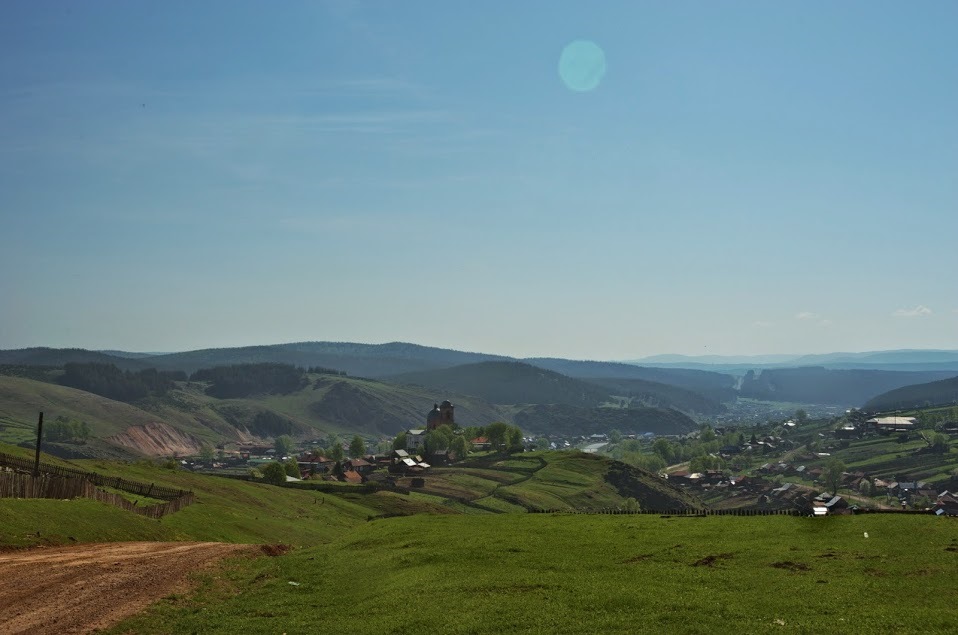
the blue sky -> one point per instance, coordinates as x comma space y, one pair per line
747, 177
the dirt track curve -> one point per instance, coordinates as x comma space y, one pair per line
82, 588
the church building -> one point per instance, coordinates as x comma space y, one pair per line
441, 414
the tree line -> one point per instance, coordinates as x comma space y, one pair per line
243, 380
66, 430
109, 381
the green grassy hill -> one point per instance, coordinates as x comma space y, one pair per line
543, 573
535, 481
326, 403
238, 511
355, 563
510, 383
936, 393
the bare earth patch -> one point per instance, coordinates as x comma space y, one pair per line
82, 588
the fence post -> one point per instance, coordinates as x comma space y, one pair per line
36, 463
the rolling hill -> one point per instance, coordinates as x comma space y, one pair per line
40, 356
936, 393
509, 383
363, 360
559, 419
659, 395
827, 386
184, 418
715, 386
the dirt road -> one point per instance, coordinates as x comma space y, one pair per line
81, 588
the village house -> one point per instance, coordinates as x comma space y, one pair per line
352, 476
415, 439
828, 504
482, 443
362, 466
887, 425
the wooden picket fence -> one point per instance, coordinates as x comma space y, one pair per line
22, 485
133, 487
55, 481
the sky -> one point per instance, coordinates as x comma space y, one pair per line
701, 178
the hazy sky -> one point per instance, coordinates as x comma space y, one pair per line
743, 177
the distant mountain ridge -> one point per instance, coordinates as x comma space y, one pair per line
904, 359
820, 385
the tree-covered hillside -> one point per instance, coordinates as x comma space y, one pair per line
658, 395
935, 393
510, 383
826, 386
569, 420
715, 386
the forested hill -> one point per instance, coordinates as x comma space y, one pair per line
658, 395
715, 386
510, 383
360, 360
60, 356
935, 393
569, 420
827, 386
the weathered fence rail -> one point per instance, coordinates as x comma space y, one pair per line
21, 485
699, 513
676, 512
133, 487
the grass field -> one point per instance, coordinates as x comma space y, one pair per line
539, 573
535, 481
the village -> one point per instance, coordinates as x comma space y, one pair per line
792, 465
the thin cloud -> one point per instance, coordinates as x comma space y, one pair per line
807, 315
919, 311
762, 324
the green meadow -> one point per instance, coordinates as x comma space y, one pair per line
464, 556
544, 573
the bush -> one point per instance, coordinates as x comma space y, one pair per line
274, 473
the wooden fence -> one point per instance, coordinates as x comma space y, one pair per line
133, 487
678, 512
21, 485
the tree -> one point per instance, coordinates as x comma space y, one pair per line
435, 442
274, 473
292, 469
542, 443
496, 433
631, 505
663, 448
357, 447
514, 439
336, 452
939, 443
801, 416
615, 436
283, 445
206, 453
707, 434
459, 446
832, 473
399, 443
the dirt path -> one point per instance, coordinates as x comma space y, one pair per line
81, 588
